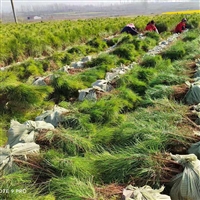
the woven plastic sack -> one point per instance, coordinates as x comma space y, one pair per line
25, 148
21, 149
88, 93
193, 94
4, 157
7, 166
54, 116
186, 185
25, 133
195, 149
19, 133
111, 76
144, 193
103, 84
39, 125
39, 81
6, 161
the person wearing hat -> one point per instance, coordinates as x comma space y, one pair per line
180, 27
151, 27
130, 28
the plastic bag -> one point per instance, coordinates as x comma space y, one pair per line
144, 193
53, 116
186, 185
4, 157
195, 149
193, 94
25, 133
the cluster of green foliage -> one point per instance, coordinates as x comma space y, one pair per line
151, 61
97, 43
36, 39
191, 36
175, 52
153, 35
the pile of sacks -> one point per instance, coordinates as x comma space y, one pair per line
81, 63
54, 116
101, 86
46, 80
21, 141
21, 137
41, 81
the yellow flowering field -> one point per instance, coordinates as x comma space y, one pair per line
183, 12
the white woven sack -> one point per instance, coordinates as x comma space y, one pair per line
144, 193
186, 185
54, 116
25, 133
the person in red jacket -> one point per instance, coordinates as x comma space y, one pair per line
180, 26
151, 26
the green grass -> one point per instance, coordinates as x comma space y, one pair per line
73, 188
151, 61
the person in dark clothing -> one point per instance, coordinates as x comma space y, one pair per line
180, 27
151, 27
130, 28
